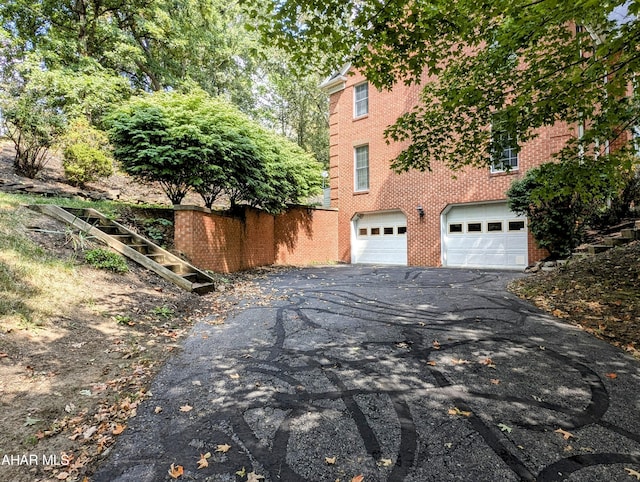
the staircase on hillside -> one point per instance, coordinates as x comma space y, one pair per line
130, 244
625, 234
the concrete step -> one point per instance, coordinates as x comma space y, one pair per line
598, 248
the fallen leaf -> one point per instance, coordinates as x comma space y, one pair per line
158, 409
358, 478
431, 363
31, 421
565, 435
330, 460
457, 411
505, 428
385, 462
633, 473
176, 471
242, 472
436, 345
253, 477
118, 430
234, 376
202, 462
459, 361
62, 476
4, 355
495, 381
488, 362
224, 448
186, 408
611, 375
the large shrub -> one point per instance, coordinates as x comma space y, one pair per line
85, 153
559, 199
194, 141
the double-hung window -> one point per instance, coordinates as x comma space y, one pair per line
504, 147
361, 100
361, 161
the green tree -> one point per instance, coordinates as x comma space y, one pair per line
291, 103
37, 104
537, 63
559, 199
155, 43
193, 141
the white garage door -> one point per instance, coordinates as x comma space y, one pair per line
484, 236
379, 238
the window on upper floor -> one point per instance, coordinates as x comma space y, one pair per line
361, 100
504, 148
361, 162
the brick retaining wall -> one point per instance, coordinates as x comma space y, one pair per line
220, 242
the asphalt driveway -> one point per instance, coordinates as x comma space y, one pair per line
395, 374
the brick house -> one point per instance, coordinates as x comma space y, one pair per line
420, 218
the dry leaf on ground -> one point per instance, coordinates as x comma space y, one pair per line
202, 462
186, 408
457, 411
253, 477
565, 435
330, 460
176, 471
224, 448
633, 473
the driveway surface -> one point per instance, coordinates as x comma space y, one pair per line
395, 374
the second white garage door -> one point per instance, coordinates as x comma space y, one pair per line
484, 236
379, 238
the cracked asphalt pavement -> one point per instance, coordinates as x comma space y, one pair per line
400, 374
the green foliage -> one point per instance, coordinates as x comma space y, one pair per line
163, 312
156, 43
193, 141
522, 58
37, 104
85, 151
560, 198
108, 260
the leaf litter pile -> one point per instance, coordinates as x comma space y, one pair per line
600, 294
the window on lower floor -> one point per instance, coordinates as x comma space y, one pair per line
402, 230
375, 231
361, 161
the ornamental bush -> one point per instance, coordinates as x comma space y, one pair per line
85, 151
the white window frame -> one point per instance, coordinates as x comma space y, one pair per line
360, 170
360, 104
510, 156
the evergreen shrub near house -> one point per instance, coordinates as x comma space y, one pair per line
559, 199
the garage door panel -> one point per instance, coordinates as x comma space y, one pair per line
379, 238
492, 247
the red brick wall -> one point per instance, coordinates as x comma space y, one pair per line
306, 236
219, 242
432, 190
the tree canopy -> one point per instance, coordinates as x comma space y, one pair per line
533, 62
194, 141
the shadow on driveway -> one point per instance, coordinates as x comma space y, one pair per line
395, 374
